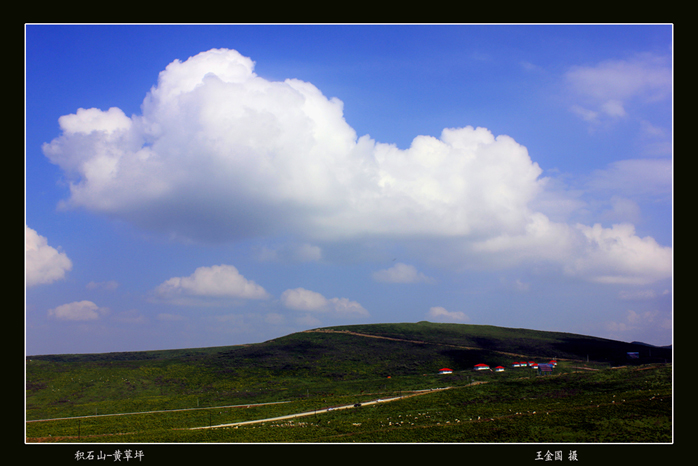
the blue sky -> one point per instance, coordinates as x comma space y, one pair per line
208, 185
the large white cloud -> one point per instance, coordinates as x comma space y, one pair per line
44, 264
220, 153
218, 281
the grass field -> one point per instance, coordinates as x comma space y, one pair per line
181, 396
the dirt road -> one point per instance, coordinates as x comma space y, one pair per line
320, 411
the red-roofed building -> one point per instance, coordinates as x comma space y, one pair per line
499, 369
481, 367
445, 370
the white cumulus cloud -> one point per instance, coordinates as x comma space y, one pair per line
300, 299
617, 255
598, 254
44, 264
78, 310
221, 154
218, 281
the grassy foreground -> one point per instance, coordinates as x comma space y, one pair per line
625, 405
196, 395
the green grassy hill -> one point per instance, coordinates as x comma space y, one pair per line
516, 341
332, 359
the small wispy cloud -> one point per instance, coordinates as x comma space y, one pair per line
608, 87
441, 314
108, 285
167, 317
636, 324
520, 285
294, 252
636, 295
132, 316
401, 273
634, 177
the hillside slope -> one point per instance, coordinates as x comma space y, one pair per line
513, 341
345, 359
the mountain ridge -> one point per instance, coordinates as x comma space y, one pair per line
501, 340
